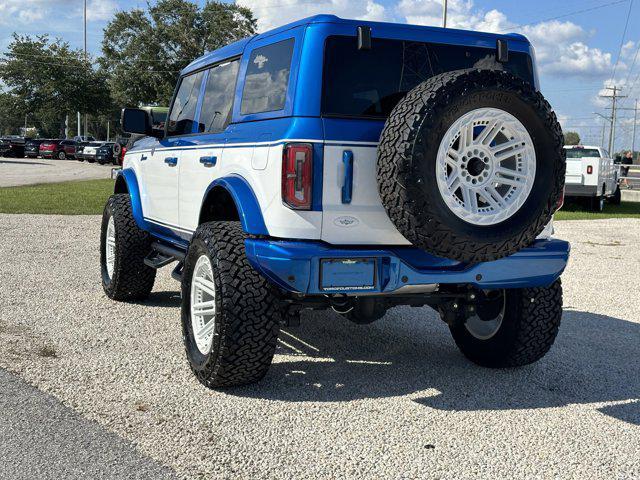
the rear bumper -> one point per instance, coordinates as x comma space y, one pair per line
579, 190
299, 267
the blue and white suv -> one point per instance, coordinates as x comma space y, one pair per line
351, 165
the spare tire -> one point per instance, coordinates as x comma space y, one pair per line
470, 165
117, 149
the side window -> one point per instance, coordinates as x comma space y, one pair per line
184, 106
218, 97
267, 79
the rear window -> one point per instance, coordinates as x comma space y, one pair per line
267, 78
582, 152
369, 83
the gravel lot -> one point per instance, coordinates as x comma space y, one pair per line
391, 400
27, 171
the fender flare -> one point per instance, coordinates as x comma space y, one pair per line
245, 201
131, 181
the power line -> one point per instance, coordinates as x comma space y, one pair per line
624, 34
576, 12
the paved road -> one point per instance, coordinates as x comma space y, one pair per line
391, 400
27, 171
41, 438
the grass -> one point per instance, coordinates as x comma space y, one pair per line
85, 197
576, 211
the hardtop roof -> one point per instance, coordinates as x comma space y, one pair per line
237, 48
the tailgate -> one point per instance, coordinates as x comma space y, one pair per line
574, 171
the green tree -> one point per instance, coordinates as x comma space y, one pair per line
45, 80
143, 51
571, 138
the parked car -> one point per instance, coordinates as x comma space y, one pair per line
592, 175
51, 149
12, 146
88, 151
68, 149
294, 172
32, 147
104, 154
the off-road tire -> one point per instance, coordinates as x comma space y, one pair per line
248, 311
131, 279
407, 155
528, 330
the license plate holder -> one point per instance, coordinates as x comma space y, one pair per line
341, 274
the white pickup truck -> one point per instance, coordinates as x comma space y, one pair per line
593, 175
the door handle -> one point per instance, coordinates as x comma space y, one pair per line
143, 158
208, 161
347, 185
171, 161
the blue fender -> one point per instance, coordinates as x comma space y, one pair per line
131, 180
246, 203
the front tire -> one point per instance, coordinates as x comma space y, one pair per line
522, 333
230, 314
123, 248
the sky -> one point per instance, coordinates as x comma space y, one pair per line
581, 45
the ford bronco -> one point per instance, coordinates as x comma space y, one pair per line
351, 165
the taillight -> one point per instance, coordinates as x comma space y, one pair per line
297, 175
589, 169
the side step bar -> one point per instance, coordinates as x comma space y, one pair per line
162, 255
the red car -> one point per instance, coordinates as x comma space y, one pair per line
60, 149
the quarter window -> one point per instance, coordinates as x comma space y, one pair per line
267, 79
218, 98
184, 106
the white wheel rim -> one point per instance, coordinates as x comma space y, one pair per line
485, 329
486, 166
110, 248
203, 304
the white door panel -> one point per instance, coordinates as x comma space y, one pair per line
364, 220
198, 168
161, 179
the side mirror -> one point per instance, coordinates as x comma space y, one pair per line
136, 120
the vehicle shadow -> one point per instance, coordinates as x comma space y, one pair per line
165, 299
596, 358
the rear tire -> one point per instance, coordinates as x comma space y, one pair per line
597, 204
616, 198
62, 156
126, 277
235, 345
527, 328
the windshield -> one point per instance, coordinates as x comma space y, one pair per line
582, 152
369, 83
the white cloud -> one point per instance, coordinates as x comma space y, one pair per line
28, 12
273, 13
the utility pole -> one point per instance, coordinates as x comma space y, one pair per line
108, 125
86, 120
635, 120
614, 112
444, 13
